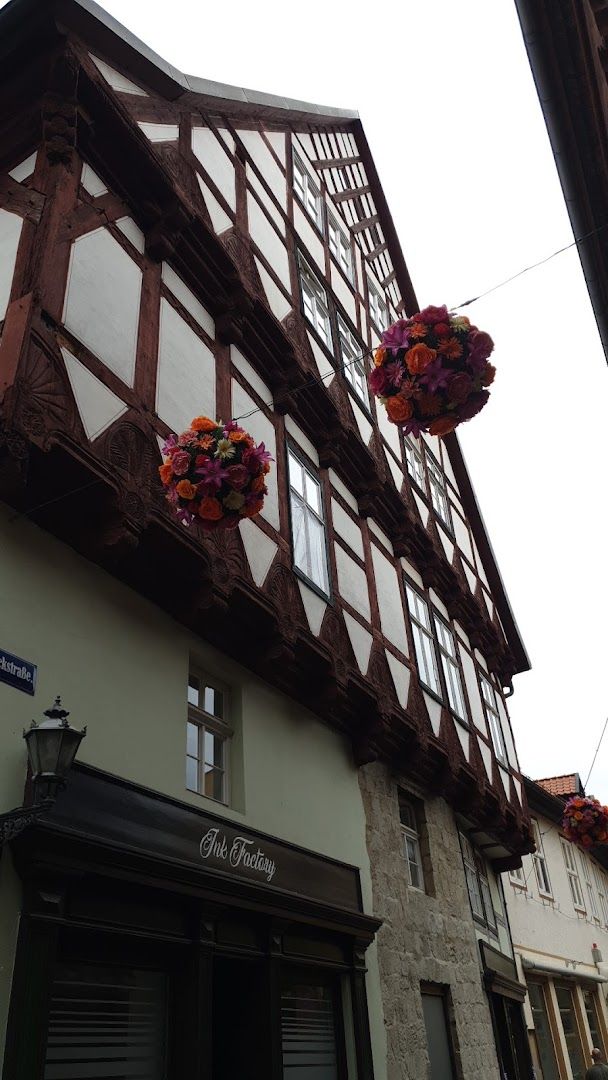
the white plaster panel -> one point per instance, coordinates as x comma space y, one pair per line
263, 196
389, 600
448, 546
401, 677
216, 161
302, 141
486, 755
102, 301
160, 132
507, 734
352, 583
434, 711
261, 155
116, 80
347, 528
470, 679
262, 430
504, 776
301, 438
365, 428
98, 406
321, 360
423, 509
268, 241
364, 326
411, 572
10, 233
462, 536
259, 549
91, 182
246, 369
219, 218
361, 641
481, 659
25, 168
186, 372
132, 233
480, 567
277, 301
309, 237
395, 471
463, 736
470, 576
192, 305
314, 606
389, 431
375, 529
277, 141
488, 602
439, 604
342, 490
461, 634
344, 294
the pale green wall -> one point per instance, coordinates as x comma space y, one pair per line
121, 667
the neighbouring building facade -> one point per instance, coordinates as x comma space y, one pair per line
280, 851
557, 903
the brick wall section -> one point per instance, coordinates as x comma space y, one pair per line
424, 938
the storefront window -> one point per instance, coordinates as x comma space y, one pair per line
565, 1002
437, 1033
309, 1030
106, 1022
590, 999
542, 1028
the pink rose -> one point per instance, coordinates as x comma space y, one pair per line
459, 387
238, 476
379, 380
431, 315
180, 462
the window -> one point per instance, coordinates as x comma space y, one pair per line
540, 863
307, 191
207, 739
432, 638
517, 876
353, 361
340, 247
590, 893
600, 882
311, 1031
490, 708
424, 641
542, 1030
438, 1042
314, 302
567, 1012
411, 844
478, 885
573, 878
378, 309
307, 523
438, 492
414, 460
591, 1008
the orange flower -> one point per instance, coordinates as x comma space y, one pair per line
259, 484
210, 509
450, 348
419, 329
418, 358
578, 816
379, 356
238, 436
165, 472
206, 442
203, 423
252, 509
399, 409
430, 404
185, 489
266, 467
488, 376
443, 425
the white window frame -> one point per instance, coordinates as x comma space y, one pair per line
492, 715
340, 246
573, 875
412, 853
315, 303
593, 908
448, 658
378, 307
311, 510
438, 491
414, 459
353, 362
600, 883
424, 640
307, 191
219, 727
518, 878
539, 860
478, 886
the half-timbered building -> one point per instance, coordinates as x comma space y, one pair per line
280, 853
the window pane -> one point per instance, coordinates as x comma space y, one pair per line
191, 774
192, 740
213, 783
487, 902
542, 1027
214, 749
454, 686
313, 493
573, 1042
425, 655
193, 690
437, 1037
214, 702
318, 554
308, 1031
590, 999
296, 474
298, 531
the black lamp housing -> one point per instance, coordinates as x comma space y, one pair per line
51, 747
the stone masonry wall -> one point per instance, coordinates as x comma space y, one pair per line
424, 938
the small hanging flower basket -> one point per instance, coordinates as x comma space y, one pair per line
585, 821
431, 371
214, 474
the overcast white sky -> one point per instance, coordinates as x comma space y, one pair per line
447, 99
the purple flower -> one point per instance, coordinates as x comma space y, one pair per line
212, 472
231, 426
395, 373
480, 346
397, 336
415, 427
435, 376
255, 457
168, 444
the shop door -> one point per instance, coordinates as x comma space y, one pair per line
240, 1020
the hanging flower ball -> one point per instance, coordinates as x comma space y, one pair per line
214, 474
431, 372
585, 821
